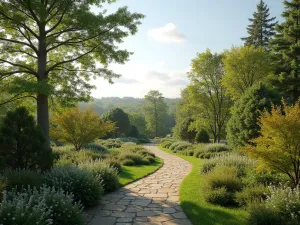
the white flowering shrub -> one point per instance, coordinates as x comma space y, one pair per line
40, 206
85, 186
108, 174
282, 207
26, 208
242, 163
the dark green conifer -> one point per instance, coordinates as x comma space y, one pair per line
262, 27
286, 48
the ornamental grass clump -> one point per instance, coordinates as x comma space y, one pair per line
85, 186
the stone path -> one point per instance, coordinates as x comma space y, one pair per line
151, 200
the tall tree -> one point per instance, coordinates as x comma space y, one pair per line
52, 47
243, 124
244, 67
286, 46
121, 119
139, 121
262, 27
155, 113
182, 112
208, 101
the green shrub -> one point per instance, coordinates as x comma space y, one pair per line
221, 180
24, 209
85, 155
111, 143
108, 174
282, 207
185, 133
142, 139
182, 146
166, 144
215, 148
242, 163
251, 193
67, 155
113, 163
128, 162
63, 210
134, 132
22, 178
202, 137
150, 159
22, 143
135, 157
261, 215
219, 196
95, 147
86, 187
177, 143
128, 139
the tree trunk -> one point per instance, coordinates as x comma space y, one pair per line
42, 98
156, 119
43, 116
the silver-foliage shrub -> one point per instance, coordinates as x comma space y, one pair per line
108, 174
85, 187
42, 206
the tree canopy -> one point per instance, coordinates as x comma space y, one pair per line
155, 113
208, 103
121, 119
79, 127
244, 67
54, 47
243, 123
278, 147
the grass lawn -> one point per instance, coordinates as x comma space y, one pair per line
196, 208
133, 173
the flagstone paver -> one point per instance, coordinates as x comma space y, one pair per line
151, 200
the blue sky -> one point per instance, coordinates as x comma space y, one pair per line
170, 37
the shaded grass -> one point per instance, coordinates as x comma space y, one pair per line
196, 208
133, 173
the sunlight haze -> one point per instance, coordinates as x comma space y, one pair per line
169, 38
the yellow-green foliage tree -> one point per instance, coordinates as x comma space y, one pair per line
79, 127
244, 67
278, 147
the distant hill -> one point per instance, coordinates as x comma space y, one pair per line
131, 106
128, 104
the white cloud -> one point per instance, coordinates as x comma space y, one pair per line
178, 82
167, 33
138, 79
157, 76
161, 64
125, 80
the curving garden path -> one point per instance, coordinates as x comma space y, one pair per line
151, 200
